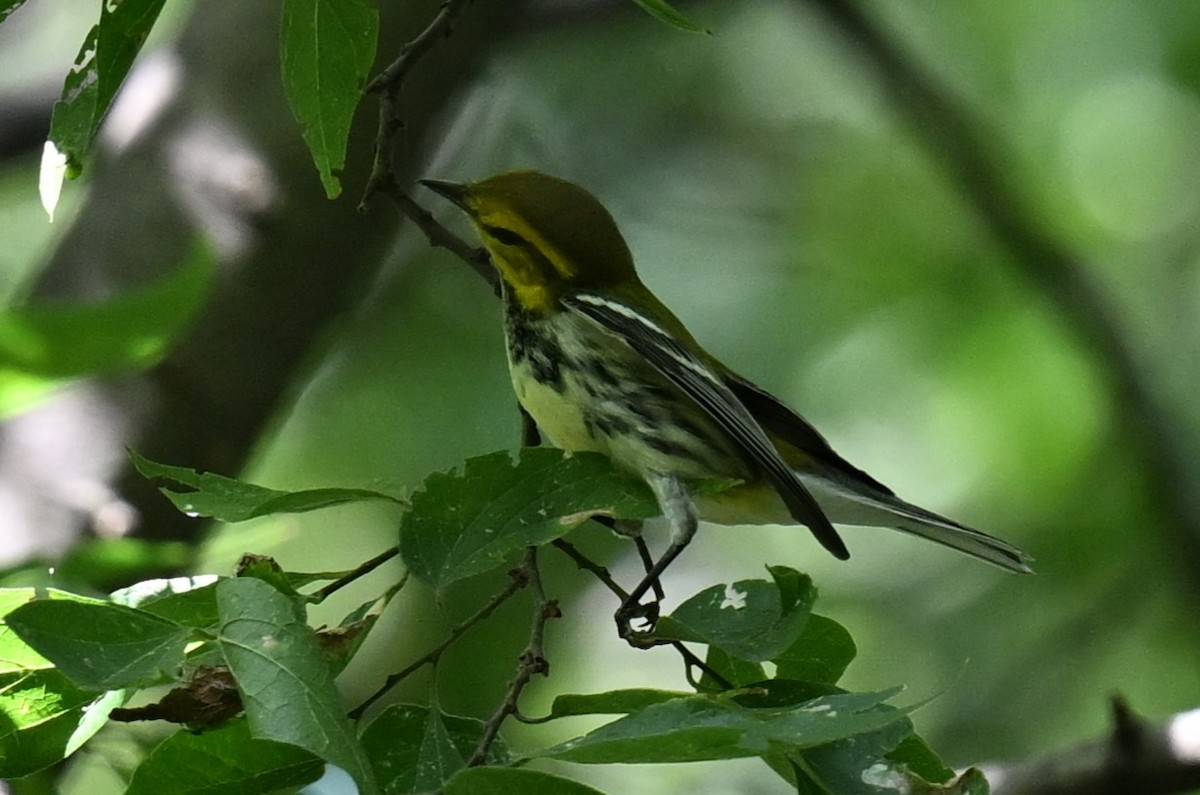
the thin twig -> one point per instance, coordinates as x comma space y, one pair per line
388, 84
366, 568
601, 573
517, 579
532, 661
441, 237
598, 571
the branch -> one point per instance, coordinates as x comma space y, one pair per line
952, 135
518, 578
364, 569
388, 84
532, 661
690, 660
1137, 757
441, 237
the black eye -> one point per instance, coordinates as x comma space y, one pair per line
505, 237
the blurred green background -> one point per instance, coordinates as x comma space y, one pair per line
774, 198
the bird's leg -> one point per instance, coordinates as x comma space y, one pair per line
680, 513
632, 529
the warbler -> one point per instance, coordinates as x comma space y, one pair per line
602, 365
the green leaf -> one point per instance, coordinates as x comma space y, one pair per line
702, 727
231, 500
820, 654
665, 12
100, 68
226, 760
40, 712
15, 654
855, 765
612, 702
736, 672
49, 342
327, 49
508, 780
415, 749
752, 620
285, 684
916, 755
467, 522
100, 645
341, 643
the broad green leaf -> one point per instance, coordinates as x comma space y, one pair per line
231, 500
190, 601
509, 780
286, 686
414, 749
40, 710
15, 654
820, 654
327, 48
612, 702
737, 672
100, 68
51, 342
752, 620
855, 765
665, 12
100, 645
700, 728
467, 521
226, 760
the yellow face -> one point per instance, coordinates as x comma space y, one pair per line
532, 267
545, 235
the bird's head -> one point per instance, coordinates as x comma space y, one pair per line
546, 236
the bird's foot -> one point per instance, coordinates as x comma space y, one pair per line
641, 637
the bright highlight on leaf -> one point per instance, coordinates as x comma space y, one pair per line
50, 177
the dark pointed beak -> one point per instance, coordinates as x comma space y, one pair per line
451, 190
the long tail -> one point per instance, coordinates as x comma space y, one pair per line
846, 506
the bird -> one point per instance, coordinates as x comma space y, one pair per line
602, 365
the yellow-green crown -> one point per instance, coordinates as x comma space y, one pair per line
545, 234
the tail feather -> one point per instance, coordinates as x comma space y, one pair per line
853, 507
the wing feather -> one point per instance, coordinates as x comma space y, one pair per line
706, 388
780, 419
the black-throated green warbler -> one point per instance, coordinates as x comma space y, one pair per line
601, 364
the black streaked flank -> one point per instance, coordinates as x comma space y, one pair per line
542, 351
